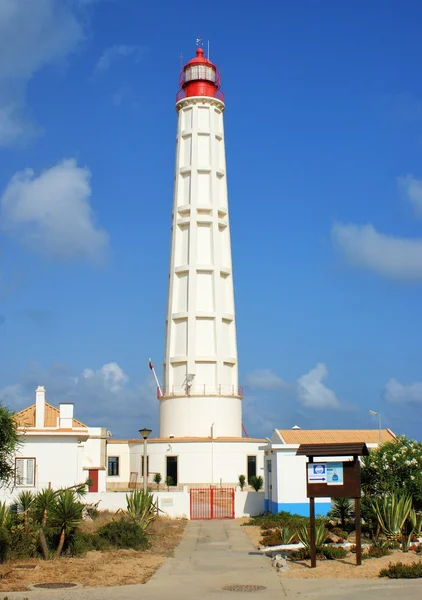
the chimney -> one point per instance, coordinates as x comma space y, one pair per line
66, 415
40, 407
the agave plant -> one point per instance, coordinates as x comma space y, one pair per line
392, 513
24, 502
304, 535
287, 534
141, 507
66, 515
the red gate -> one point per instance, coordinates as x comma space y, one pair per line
211, 503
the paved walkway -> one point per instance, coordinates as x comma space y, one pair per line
214, 554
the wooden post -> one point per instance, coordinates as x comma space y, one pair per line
312, 525
358, 540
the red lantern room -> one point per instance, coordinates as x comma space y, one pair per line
200, 78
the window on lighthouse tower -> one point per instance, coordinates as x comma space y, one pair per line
200, 72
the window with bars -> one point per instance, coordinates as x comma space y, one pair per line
25, 472
113, 466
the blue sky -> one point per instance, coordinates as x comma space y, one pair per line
324, 144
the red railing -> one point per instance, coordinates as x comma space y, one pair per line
200, 390
211, 503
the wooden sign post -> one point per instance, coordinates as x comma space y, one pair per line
333, 479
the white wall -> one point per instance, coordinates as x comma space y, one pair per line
58, 460
248, 504
198, 462
171, 504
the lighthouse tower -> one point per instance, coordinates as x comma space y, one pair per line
200, 396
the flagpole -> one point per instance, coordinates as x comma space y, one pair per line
151, 366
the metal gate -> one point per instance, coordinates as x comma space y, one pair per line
212, 503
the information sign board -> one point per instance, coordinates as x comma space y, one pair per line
317, 473
335, 473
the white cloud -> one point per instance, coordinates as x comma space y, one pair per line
51, 212
102, 396
312, 393
395, 391
309, 389
111, 377
114, 53
33, 35
412, 188
389, 256
265, 379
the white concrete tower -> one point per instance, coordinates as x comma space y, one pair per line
200, 396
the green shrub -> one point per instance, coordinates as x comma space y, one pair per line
281, 519
333, 552
80, 543
376, 551
23, 543
124, 533
271, 537
401, 571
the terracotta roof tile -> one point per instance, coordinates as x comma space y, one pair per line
26, 417
333, 436
188, 439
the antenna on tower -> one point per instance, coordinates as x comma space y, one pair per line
208, 53
199, 41
188, 382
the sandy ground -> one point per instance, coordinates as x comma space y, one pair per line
335, 569
98, 569
346, 568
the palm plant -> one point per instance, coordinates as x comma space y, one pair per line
304, 534
157, 480
392, 513
257, 483
341, 509
141, 507
44, 504
66, 515
24, 502
242, 481
168, 481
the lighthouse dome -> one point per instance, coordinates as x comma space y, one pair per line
200, 77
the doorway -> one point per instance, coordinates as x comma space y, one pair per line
171, 469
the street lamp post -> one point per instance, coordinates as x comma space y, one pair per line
145, 434
375, 414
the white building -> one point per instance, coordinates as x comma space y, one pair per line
285, 485
56, 449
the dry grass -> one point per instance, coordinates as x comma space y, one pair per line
99, 569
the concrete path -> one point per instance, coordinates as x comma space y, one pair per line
214, 554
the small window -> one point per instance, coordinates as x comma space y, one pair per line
142, 466
25, 472
113, 466
251, 467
